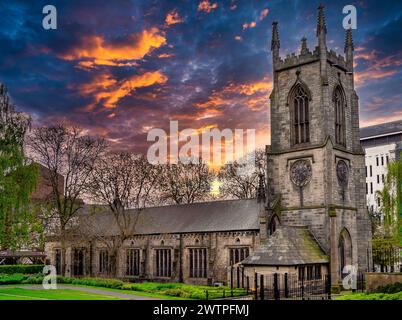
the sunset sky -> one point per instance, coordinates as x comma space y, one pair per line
120, 68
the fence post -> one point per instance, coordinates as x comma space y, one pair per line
255, 286
262, 287
286, 286
206, 294
276, 287
302, 286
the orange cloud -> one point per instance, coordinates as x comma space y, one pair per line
173, 17
165, 55
95, 51
206, 6
246, 25
252, 95
263, 14
380, 68
109, 91
394, 116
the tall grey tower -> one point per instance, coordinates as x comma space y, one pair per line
315, 162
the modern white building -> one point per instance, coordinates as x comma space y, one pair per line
382, 143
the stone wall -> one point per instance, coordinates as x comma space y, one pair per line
217, 244
374, 280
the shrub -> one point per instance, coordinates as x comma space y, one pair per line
12, 279
21, 269
390, 288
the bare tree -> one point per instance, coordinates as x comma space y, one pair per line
186, 183
240, 181
125, 183
68, 154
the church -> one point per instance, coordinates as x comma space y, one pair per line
311, 217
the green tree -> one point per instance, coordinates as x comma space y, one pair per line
17, 178
391, 202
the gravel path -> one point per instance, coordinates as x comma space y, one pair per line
91, 290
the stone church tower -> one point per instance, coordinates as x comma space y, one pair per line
316, 168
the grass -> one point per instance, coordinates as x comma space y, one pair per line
371, 296
12, 293
172, 291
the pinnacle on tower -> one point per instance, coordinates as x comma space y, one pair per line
304, 48
348, 40
261, 189
275, 43
321, 25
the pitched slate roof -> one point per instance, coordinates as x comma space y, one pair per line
381, 129
230, 215
288, 246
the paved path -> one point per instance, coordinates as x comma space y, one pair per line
91, 290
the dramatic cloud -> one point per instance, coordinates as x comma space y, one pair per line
206, 6
246, 25
94, 50
119, 69
173, 17
378, 68
108, 91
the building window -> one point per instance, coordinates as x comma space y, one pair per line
317, 272
378, 178
301, 129
163, 263
377, 161
382, 160
301, 273
237, 254
339, 103
371, 171
133, 262
103, 261
387, 158
371, 187
310, 272
366, 171
383, 178
78, 262
198, 262
57, 261
366, 188
379, 202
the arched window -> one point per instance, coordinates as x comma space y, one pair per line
300, 105
345, 250
339, 103
273, 224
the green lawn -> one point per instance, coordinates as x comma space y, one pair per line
371, 296
12, 293
173, 291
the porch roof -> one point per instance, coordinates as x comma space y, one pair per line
288, 246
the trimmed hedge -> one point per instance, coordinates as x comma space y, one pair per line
21, 269
390, 288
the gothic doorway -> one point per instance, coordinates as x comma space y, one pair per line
345, 251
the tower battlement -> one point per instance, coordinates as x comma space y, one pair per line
293, 60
